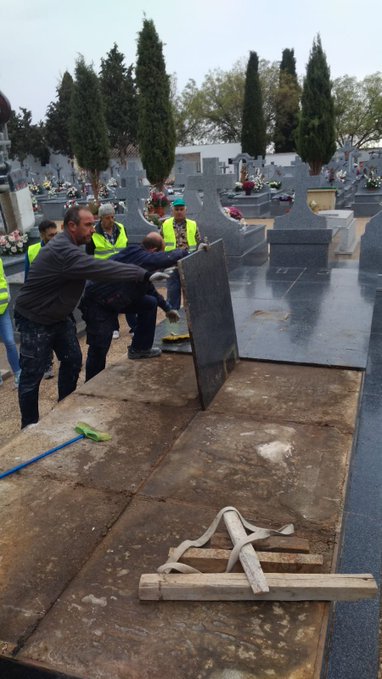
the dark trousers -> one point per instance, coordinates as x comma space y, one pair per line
174, 290
37, 342
101, 323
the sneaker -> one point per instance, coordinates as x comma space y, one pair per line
48, 374
144, 353
116, 334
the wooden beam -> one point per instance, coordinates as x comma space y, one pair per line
278, 543
247, 555
215, 561
235, 587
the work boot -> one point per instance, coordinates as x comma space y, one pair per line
144, 353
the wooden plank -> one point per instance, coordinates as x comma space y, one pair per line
235, 587
215, 561
278, 543
247, 556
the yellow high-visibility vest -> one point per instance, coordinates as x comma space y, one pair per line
33, 251
104, 249
4, 292
170, 238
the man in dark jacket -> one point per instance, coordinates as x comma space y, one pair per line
44, 306
102, 302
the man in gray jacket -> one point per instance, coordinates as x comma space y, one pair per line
44, 306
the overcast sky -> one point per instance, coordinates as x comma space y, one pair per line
40, 39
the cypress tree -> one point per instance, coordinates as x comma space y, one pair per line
88, 131
57, 118
253, 133
316, 129
286, 104
120, 101
156, 128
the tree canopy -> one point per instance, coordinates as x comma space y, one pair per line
58, 116
316, 130
358, 109
156, 128
88, 131
287, 103
26, 138
120, 100
253, 132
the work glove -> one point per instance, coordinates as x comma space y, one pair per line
203, 246
173, 316
158, 276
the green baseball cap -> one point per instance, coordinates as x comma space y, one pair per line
179, 202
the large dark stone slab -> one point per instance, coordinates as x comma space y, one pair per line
299, 247
210, 318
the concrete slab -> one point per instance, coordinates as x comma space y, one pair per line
169, 382
78, 613
99, 629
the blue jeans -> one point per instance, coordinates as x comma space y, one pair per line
6, 334
174, 290
37, 343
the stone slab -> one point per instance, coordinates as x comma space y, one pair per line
274, 470
279, 459
118, 636
296, 315
173, 385
210, 318
118, 465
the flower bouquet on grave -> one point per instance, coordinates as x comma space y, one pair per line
373, 182
259, 181
70, 203
248, 187
274, 185
157, 202
238, 186
103, 191
73, 192
233, 213
13, 243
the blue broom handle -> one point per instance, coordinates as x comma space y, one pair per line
39, 457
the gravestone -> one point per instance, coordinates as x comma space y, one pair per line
374, 164
136, 225
342, 221
243, 244
242, 158
184, 169
370, 257
210, 318
367, 202
300, 237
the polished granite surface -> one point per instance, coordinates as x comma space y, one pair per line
299, 315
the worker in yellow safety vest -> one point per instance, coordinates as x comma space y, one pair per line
178, 232
6, 329
47, 230
109, 239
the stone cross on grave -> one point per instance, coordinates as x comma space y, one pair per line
301, 216
135, 193
347, 149
211, 181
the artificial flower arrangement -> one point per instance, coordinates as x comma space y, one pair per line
248, 185
70, 203
157, 199
73, 192
112, 183
373, 182
233, 212
274, 185
103, 191
13, 243
341, 175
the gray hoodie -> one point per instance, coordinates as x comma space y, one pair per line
57, 278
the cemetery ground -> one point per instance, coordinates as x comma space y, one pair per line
80, 527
